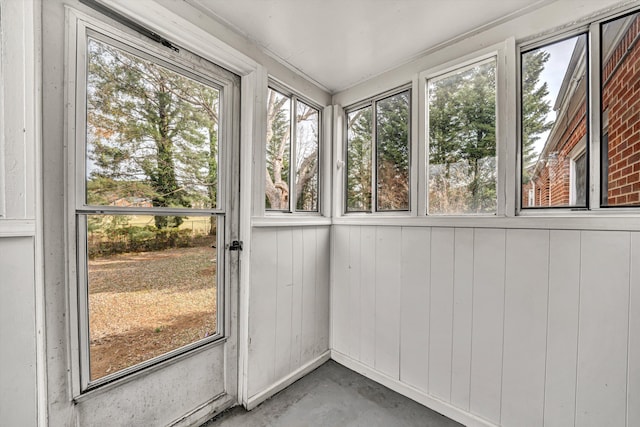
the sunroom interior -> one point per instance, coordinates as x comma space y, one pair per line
203, 201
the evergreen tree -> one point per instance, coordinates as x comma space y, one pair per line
392, 127
359, 146
152, 133
534, 108
462, 142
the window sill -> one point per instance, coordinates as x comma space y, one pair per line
541, 220
290, 220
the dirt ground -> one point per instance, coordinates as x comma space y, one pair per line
145, 304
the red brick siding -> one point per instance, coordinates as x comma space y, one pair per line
621, 98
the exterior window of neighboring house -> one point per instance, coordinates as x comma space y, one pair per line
150, 204
462, 141
620, 138
292, 153
554, 123
377, 153
578, 175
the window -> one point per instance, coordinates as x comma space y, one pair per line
378, 155
150, 207
462, 141
578, 175
291, 119
620, 95
554, 123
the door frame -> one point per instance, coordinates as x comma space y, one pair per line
253, 84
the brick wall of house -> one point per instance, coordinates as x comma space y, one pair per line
555, 178
621, 98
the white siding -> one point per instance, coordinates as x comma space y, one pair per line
289, 302
387, 319
441, 312
17, 333
526, 291
21, 342
501, 327
603, 329
562, 328
414, 310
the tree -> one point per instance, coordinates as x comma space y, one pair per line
307, 151
359, 146
278, 153
151, 133
462, 142
278, 149
392, 139
535, 108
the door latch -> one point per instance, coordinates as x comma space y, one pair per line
236, 245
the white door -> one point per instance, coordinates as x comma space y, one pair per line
150, 173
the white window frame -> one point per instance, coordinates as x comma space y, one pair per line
579, 150
183, 63
372, 102
294, 98
484, 59
596, 120
505, 66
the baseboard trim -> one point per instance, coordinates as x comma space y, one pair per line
412, 393
257, 399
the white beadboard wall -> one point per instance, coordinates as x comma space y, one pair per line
505, 327
288, 306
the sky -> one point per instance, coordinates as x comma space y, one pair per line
553, 73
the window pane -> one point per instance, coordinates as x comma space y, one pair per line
554, 125
278, 151
579, 180
150, 290
307, 122
462, 141
152, 134
359, 144
620, 162
392, 141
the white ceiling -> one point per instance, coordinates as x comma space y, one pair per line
338, 43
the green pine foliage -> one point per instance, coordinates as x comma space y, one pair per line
152, 135
462, 142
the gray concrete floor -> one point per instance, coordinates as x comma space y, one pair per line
334, 396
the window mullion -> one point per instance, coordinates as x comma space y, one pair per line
293, 102
374, 158
594, 118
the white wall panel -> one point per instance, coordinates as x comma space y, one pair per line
17, 333
562, 328
354, 300
368, 296
262, 321
488, 316
633, 381
309, 325
441, 312
387, 321
525, 327
289, 302
517, 327
284, 300
414, 307
296, 295
603, 329
462, 318
323, 264
340, 290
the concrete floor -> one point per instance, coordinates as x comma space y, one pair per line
334, 396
